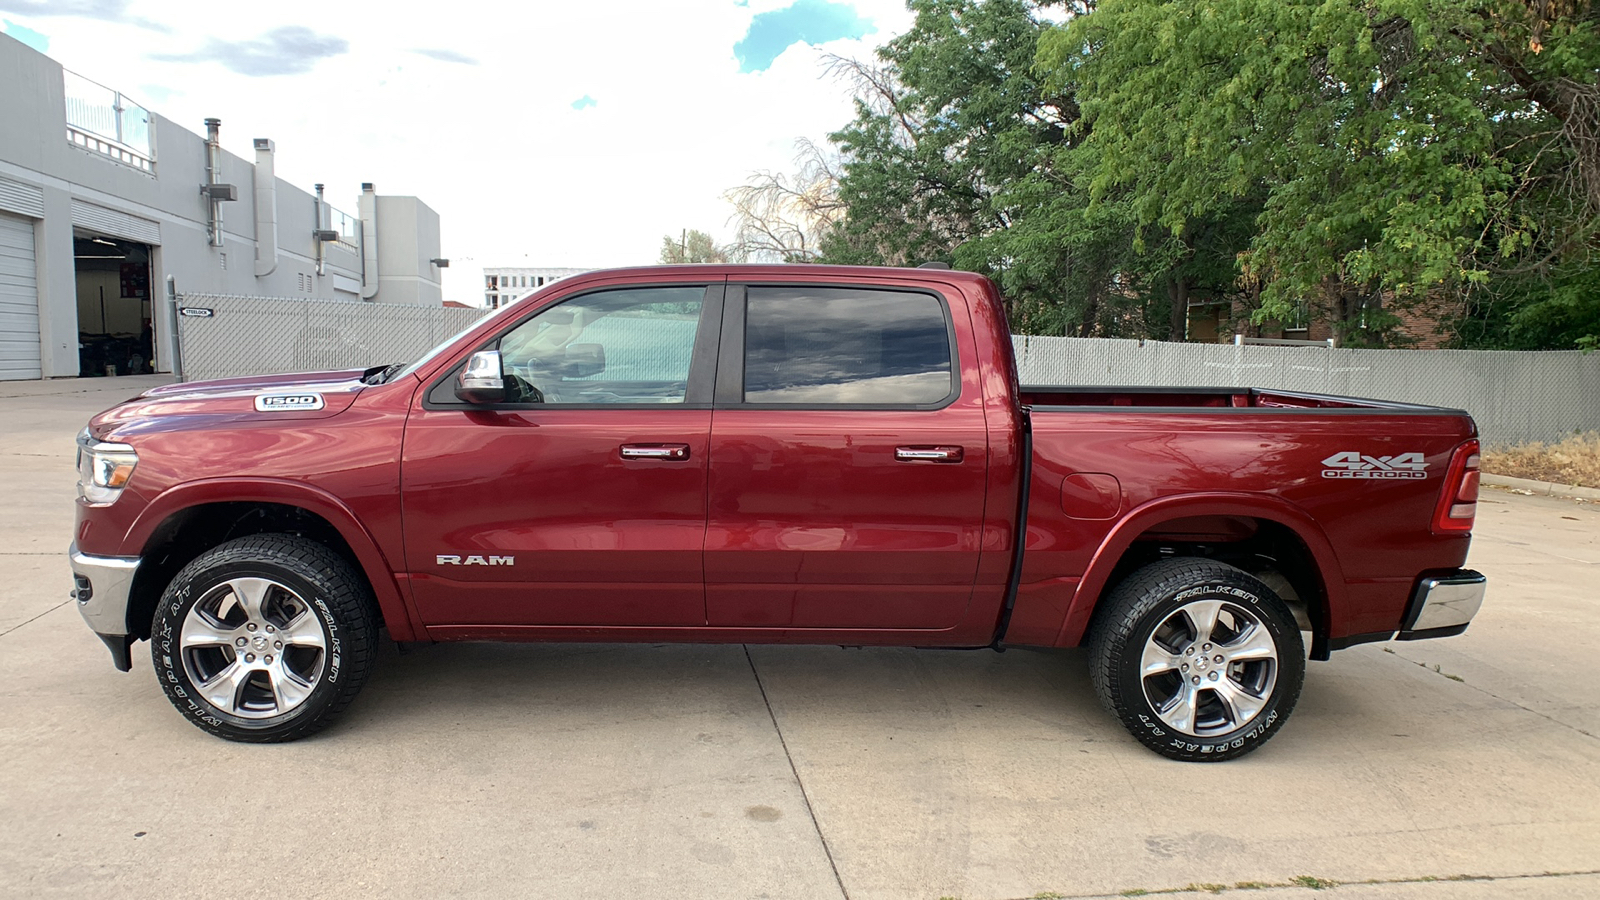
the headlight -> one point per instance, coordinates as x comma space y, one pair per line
103, 469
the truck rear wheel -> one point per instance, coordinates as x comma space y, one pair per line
265, 638
1199, 660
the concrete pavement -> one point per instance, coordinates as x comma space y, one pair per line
607, 771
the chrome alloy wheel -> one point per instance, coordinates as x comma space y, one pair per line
1209, 668
253, 648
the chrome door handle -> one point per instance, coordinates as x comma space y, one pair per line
668, 452
928, 454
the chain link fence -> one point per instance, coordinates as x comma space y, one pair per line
226, 335
1514, 396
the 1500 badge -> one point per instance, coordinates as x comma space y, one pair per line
287, 402
1351, 464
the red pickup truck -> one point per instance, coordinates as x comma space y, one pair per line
775, 454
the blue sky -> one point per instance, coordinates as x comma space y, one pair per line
543, 134
808, 21
26, 35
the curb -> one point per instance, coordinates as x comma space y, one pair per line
1542, 487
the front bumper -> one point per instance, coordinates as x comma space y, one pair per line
1443, 605
101, 585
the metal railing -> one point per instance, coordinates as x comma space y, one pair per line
102, 120
348, 226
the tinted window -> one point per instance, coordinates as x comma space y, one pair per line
817, 346
627, 346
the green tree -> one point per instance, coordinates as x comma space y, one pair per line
1401, 151
946, 119
959, 152
691, 246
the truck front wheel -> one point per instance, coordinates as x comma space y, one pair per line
265, 638
1199, 660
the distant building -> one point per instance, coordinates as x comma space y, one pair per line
501, 286
1420, 325
101, 201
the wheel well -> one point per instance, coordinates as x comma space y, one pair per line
188, 533
1268, 550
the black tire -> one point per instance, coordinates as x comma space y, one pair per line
303, 595
1230, 706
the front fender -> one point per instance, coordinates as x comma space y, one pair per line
392, 602
1148, 515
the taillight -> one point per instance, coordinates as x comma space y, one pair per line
1458, 505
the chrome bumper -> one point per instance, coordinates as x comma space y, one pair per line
1443, 605
101, 585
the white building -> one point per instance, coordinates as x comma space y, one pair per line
101, 201
501, 286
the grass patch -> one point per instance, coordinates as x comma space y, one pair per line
1313, 882
1575, 460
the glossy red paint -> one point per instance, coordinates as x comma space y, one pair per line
1262, 463
596, 539
206, 445
815, 521
797, 525
815, 524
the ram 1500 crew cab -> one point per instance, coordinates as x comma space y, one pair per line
781, 454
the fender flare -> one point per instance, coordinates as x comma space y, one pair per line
1145, 516
393, 605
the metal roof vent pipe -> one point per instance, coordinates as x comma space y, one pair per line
209, 190
266, 209
320, 230
369, 241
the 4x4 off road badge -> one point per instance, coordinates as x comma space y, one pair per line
1351, 464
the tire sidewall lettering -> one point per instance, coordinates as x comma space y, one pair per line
266, 559
1257, 728
1139, 606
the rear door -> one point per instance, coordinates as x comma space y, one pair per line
581, 500
848, 460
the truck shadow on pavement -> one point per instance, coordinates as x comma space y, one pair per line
557, 683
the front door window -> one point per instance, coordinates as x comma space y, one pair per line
623, 346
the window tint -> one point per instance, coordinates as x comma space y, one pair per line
819, 346
627, 346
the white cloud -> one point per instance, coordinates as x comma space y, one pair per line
518, 176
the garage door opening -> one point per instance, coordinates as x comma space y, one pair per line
116, 328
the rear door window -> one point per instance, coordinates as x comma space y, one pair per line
811, 346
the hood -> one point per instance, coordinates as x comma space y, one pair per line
303, 395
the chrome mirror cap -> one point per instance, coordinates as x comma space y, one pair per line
482, 380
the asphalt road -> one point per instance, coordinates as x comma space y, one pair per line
608, 771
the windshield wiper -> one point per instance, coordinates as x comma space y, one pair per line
381, 374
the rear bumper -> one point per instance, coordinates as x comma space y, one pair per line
101, 585
1443, 605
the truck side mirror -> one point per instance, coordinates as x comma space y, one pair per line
482, 380
583, 360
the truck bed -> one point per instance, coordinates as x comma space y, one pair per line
1230, 472
1048, 397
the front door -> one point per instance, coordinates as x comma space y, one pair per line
581, 499
849, 457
